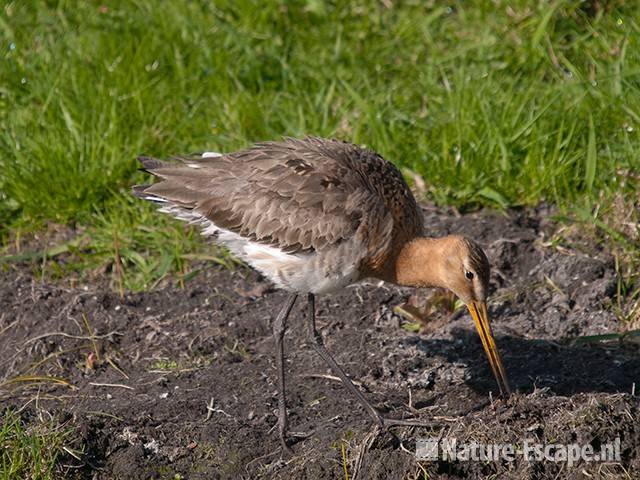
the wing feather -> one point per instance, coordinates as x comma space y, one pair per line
297, 195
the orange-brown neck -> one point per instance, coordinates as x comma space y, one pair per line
420, 263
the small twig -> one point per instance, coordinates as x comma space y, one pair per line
91, 336
553, 285
55, 354
12, 324
115, 385
363, 449
447, 419
117, 368
77, 337
38, 405
211, 410
72, 453
26, 404
104, 414
329, 377
405, 449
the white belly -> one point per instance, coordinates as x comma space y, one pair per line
298, 272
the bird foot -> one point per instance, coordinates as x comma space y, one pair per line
395, 422
385, 423
295, 437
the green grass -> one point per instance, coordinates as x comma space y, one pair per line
493, 103
30, 452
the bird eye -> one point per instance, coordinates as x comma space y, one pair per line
469, 275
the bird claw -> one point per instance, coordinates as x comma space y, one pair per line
286, 449
296, 436
394, 422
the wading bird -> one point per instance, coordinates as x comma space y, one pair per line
314, 216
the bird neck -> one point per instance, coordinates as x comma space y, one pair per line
420, 263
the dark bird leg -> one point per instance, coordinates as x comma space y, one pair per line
279, 328
318, 345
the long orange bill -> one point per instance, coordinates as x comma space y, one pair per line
480, 316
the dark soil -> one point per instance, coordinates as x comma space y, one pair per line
193, 395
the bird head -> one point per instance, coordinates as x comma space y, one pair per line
465, 271
460, 265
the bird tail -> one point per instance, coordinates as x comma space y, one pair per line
149, 165
170, 193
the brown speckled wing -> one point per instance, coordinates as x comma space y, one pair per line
297, 195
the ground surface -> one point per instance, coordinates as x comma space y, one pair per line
180, 350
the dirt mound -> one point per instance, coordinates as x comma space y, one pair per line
182, 381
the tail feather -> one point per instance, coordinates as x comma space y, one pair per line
150, 163
177, 178
140, 191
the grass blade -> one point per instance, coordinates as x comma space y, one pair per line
591, 159
38, 379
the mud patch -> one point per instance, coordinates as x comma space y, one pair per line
182, 381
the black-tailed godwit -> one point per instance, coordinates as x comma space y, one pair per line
314, 216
